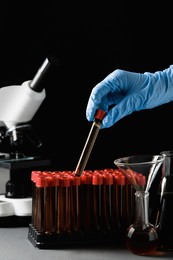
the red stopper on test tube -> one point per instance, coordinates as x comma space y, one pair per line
100, 114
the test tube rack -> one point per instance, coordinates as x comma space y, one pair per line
68, 210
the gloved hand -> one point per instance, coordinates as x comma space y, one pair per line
123, 92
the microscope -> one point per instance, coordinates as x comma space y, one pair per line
18, 105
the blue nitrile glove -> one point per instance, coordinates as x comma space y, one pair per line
123, 92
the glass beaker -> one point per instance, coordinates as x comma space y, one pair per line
165, 214
140, 170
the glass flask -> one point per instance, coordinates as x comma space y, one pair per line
141, 237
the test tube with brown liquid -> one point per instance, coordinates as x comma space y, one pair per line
87, 199
119, 201
63, 204
41, 185
34, 175
50, 204
97, 185
75, 203
107, 201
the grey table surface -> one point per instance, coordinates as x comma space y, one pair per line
15, 245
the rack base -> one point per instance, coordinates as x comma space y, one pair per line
71, 239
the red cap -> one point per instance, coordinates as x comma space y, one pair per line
75, 181
100, 114
34, 175
97, 179
107, 179
119, 179
86, 178
64, 181
42, 181
141, 180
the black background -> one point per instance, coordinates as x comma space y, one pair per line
90, 41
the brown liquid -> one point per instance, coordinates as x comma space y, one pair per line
142, 242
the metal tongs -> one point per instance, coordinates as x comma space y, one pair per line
90, 142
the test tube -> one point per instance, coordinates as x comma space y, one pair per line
90, 142
34, 175
75, 203
49, 204
63, 203
87, 199
119, 200
41, 184
97, 184
107, 201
